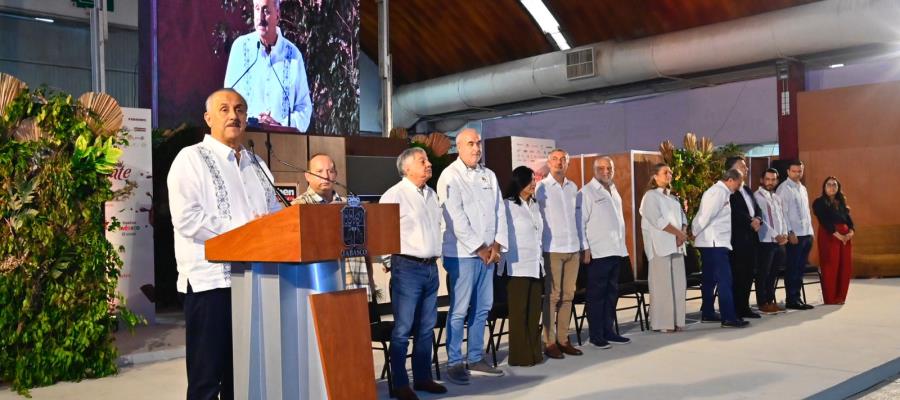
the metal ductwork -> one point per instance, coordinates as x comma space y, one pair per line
812, 28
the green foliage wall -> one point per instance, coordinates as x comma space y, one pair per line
58, 273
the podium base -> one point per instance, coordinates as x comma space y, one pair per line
276, 354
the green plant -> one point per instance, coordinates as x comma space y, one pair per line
695, 167
58, 273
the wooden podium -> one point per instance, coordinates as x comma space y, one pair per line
297, 334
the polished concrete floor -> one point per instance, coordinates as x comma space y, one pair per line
829, 352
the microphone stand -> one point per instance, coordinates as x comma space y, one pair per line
256, 163
304, 170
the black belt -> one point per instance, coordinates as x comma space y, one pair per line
429, 260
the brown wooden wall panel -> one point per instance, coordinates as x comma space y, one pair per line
342, 331
853, 133
498, 158
375, 146
757, 165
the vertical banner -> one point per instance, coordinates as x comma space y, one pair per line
135, 235
532, 153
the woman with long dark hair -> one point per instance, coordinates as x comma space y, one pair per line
834, 241
523, 263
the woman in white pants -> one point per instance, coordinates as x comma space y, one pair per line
664, 227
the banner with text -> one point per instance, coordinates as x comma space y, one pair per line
135, 235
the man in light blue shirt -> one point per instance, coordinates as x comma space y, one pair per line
268, 70
475, 233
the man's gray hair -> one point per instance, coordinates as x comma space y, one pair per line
209, 104
607, 158
732, 174
405, 156
558, 150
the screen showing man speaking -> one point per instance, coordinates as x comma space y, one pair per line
269, 71
295, 61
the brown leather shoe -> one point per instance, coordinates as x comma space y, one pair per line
567, 348
552, 351
430, 387
405, 393
768, 309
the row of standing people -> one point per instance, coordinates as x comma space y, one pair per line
540, 233
744, 237
537, 233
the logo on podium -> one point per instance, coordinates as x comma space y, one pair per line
353, 218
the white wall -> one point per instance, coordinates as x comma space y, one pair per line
125, 14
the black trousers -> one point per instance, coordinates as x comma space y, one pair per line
524, 299
771, 256
207, 316
601, 297
743, 269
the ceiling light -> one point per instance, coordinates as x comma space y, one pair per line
546, 21
47, 20
833, 66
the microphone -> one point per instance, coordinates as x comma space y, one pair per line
248, 68
296, 168
256, 162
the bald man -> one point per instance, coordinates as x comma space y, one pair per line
214, 186
474, 235
320, 190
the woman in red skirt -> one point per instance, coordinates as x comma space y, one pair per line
834, 241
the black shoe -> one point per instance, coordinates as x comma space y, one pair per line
405, 393
798, 306
430, 387
714, 318
750, 314
735, 324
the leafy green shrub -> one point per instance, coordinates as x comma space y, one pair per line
58, 273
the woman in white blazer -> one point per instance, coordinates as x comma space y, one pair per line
664, 228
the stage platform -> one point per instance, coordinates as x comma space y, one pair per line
831, 352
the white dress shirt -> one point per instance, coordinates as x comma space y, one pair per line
712, 224
420, 218
473, 209
660, 209
773, 223
275, 84
602, 224
524, 257
557, 204
796, 207
211, 193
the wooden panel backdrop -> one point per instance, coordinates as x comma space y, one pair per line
853, 133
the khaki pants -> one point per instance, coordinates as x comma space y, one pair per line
559, 289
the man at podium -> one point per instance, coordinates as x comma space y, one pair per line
214, 186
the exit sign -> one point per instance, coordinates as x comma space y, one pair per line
110, 4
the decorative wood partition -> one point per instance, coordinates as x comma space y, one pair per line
853, 133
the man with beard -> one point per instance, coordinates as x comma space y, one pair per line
773, 235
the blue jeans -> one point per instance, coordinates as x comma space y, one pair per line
414, 289
717, 273
471, 284
601, 296
795, 261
